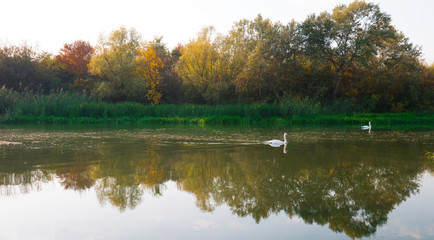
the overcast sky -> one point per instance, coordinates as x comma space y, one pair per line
50, 24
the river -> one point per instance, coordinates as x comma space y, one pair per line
214, 182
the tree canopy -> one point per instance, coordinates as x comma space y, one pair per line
352, 59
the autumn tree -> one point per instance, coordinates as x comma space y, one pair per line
204, 70
74, 59
266, 56
350, 33
115, 63
149, 68
244, 40
170, 84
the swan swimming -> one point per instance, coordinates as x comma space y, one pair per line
278, 143
365, 127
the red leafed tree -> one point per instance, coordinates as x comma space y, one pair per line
75, 57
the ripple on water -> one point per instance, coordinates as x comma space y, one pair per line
9, 143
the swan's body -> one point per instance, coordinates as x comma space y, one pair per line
366, 127
277, 143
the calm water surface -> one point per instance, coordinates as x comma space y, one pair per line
193, 182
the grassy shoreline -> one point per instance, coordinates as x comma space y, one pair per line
380, 120
66, 107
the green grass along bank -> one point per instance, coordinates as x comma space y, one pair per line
379, 120
64, 107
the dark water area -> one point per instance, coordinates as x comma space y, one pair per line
201, 182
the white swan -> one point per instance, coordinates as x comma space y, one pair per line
365, 127
277, 143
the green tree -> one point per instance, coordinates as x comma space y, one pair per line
398, 75
23, 68
427, 88
351, 33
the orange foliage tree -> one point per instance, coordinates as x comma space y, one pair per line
74, 59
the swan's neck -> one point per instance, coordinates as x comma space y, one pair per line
284, 139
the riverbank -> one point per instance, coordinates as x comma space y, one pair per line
379, 120
65, 107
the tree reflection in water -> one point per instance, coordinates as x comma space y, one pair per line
349, 187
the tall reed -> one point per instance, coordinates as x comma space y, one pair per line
61, 106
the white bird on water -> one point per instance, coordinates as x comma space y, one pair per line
365, 127
278, 143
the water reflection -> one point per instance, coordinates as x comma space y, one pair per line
349, 186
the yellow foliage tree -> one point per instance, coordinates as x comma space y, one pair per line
149, 68
207, 67
114, 62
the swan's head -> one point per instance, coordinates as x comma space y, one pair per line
285, 134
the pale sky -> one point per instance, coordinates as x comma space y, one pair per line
49, 24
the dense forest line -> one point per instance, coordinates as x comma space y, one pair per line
352, 59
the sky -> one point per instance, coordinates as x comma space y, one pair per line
49, 24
